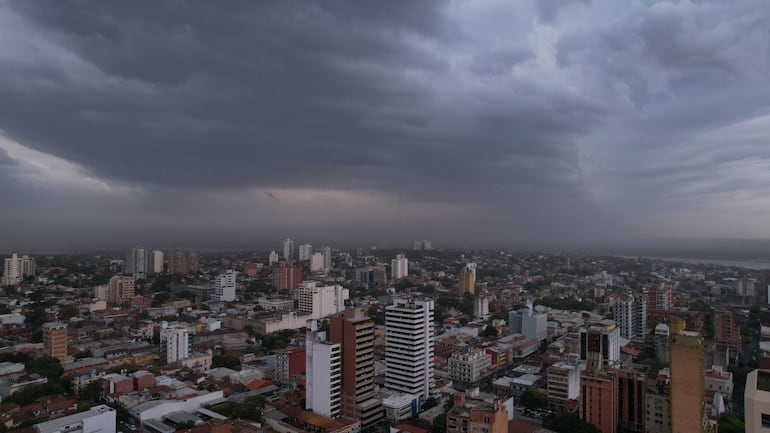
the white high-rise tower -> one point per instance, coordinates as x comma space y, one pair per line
324, 372
288, 249
399, 267
409, 346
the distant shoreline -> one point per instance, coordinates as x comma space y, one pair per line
756, 265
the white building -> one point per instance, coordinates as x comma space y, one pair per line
305, 251
528, 323
481, 307
409, 346
15, 268
224, 286
317, 262
288, 249
272, 258
320, 301
176, 341
98, 419
327, 253
401, 406
757, 401
324, 373
563, 381
399, 267
602, 337
138, 262
631, 316
157, 261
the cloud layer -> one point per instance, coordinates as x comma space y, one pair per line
483, 122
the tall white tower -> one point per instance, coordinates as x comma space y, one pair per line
399, 267
224, 286
176, 340
324, 372
409, 346
305, 251
288, 249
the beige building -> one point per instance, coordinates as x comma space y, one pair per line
15, 268
688, 388
199, 362
55, 340
757, 401
121, 289
470, 367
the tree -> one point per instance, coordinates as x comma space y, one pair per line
430, 403
439, 424
224, 361
489, 332
729, 423
92, 392
185, 425
534, 399
568, 423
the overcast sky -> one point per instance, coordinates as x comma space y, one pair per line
208, 124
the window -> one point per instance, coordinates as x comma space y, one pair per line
765, 420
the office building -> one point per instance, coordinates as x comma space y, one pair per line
399, 267
97, 419
687, 383
756, 401
121, 289
372, 276
157, 262
409, 346
175, 342
288, 249
529, 323
467, 283
727, 332
139, 262
481, 306
272, 258
55, 340
305, 251
327, 253
324, 372
563, 381
286, 276
182, 262
289, 363
658, 406
600, 339
317, 262
599, 398
15, 268
320, 301
476, 416
632, 399
470, 367
631, 316
224, 286
354, 330
661, 340
660, 298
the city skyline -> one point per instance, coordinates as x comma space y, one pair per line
470, 123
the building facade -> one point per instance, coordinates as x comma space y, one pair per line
409, 341
687, 383
399, 267
55, 340
224, 286
15, 268
324, 372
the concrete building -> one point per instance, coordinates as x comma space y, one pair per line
121, 289
563, 382
599, 399
327, 253
727, 332
401, 406
661, 340
632, 398
289, 363
658, 407
601, 338
470, 367
372, 276
660, 298
224, 286
286, 276
324, 373
756, 400
176, 342
157, 262
467, 283
476, 416
320, 301
55, 340
182, 262
97, 419
409, 346
529, 323
272, 258
631, 316
399, 267
288, 249
305, 251
15, 268
481, 306
317, 262
354, 330
138, 262
687, 383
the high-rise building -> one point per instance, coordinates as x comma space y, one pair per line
288, 249
599, 399
317, 262
481, 306
182, 262
327, 253
528, 323
688, 386
55, 340
372, 276
563, 381
121, 289
176, 342
467, 283
286, 276
157, 261
632, 399
600, 341
272, 258
224, 286
409, 346
15, 268
757, 401
660, 298
726, 331
354, 330
324, 372
661, 340
305, 251
631, 316
320, 301
139, 262
399, 267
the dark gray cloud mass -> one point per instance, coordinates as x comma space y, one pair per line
491, 122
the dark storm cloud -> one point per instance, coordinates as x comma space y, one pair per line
493, 119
